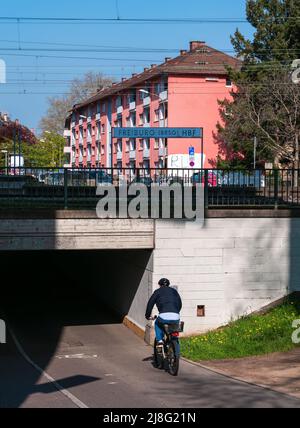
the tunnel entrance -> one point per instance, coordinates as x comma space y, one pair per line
75, 287
60, 303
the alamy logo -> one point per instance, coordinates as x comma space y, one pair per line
296, 72
138, 200
2, 332
2, 71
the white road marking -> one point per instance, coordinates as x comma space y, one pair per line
60, 388
76, 356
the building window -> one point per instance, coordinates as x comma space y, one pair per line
156, 143
98, 108
146, 143
103, 129
228, 82
115, 147
141, 145
127, 146
141, 120
102, 150
119, 101
157, 115
103, 108
133, 119
146, 116
132, 144
119, 146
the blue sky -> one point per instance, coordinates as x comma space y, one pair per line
28, 71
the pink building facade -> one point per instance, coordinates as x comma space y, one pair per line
181, 92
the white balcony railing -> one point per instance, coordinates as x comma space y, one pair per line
162, 151
132, 154
89, 119
119, 156
80, 122
67, 150
163, 95
120, 110
67, 133
132, 105
98, 116
146, 154
146, 101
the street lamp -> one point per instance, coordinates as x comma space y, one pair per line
144, 91
6, 160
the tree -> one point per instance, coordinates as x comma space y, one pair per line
80, 89
47, 153
266, 102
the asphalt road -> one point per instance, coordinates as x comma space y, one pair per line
103, 364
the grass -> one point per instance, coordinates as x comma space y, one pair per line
248, 336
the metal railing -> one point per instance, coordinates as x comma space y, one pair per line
76, 187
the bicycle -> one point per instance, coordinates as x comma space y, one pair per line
168, 355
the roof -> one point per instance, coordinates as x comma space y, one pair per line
201, 59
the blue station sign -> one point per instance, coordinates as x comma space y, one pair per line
157, 132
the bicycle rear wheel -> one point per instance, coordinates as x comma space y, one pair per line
158, 357
173, 357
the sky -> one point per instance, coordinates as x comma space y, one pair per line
36, 53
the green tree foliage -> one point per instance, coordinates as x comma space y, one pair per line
266, 103
48, 152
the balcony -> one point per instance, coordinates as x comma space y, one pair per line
67, 133
162, 152
67, 150
119, 156
146, 101
146, 154
132, 105
73, 124
89, 119
163, 95
120, 110
80, 122
132, 155
98, 116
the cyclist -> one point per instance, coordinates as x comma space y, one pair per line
169, 305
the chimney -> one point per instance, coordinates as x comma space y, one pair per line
183, 52
196, 45
153, 65
167, 59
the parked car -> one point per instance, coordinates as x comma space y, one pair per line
144, 180
199, 177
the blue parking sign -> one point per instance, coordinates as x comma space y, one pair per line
192, 151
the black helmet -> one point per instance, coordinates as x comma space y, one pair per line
164, 282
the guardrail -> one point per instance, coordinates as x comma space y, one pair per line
76, 188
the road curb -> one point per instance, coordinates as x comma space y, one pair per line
238, 379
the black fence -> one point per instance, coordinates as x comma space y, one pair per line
76, 188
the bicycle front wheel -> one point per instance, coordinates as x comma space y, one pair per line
173, 358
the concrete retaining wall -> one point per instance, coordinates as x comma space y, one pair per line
232, 266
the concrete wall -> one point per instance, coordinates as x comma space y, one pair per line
75, 234
233, 266
125, 283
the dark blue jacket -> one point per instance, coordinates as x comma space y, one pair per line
166, 299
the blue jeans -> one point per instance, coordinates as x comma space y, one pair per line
159, 332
